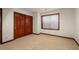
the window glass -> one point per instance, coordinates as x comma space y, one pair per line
50, 22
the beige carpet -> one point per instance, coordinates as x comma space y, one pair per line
40, 42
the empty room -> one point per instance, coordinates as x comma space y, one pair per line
39, 29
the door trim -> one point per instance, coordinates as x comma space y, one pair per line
1, 28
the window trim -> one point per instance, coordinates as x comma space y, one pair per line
49, 15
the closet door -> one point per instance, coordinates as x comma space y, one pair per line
0, 25
28, 25
22, 25
19, 22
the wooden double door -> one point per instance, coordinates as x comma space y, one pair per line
22, 25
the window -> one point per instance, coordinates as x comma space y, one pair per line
50, 22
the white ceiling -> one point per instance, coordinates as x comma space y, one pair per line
41, 9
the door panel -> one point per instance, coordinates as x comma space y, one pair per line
18, 25
28, 25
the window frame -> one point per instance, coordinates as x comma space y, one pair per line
49, 15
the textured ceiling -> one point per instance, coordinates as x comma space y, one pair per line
41, 9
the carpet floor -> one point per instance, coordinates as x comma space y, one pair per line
40, 42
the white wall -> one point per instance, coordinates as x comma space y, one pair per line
77, 25
37, 23
8, 22
67, 25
